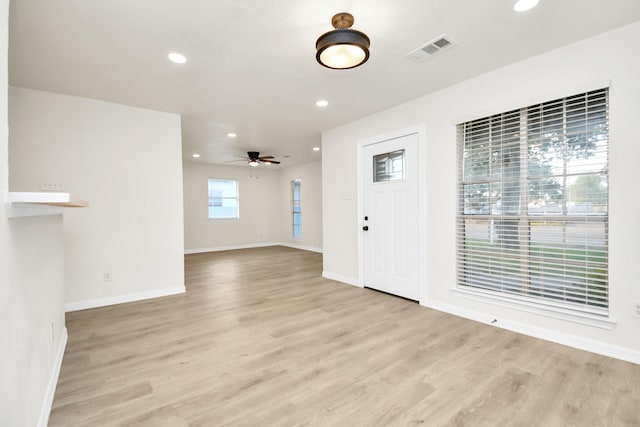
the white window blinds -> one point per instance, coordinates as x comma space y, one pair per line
223, 199
532, 221
296, 209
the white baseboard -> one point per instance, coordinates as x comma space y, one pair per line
53, 381
302, 247
120, 299
597, 347
229, 248
251, 246
340, 278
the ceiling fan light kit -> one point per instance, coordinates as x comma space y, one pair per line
342, 48
255, 159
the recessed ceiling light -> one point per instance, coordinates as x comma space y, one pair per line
524, 5
322, 103
178, 58
231, 135
316, 148
195, 155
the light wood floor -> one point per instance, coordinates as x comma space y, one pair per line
260, 339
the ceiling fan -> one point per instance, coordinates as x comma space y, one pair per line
254, 159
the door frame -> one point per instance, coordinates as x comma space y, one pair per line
420, 130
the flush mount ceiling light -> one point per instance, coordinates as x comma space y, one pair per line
524, 5
342, 48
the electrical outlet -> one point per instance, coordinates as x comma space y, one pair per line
106, 276
51, 186
636, 308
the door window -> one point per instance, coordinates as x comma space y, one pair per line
388, 166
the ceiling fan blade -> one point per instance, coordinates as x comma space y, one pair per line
270, 161
233, 161
267, 157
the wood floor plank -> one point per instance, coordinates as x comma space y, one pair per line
260, 338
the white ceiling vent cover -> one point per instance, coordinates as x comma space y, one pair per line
433, 47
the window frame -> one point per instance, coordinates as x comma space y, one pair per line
543, 305
222, 198
296, 209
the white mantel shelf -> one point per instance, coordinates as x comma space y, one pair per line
21, 204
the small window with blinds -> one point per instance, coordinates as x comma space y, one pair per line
296, 209
532, 220
223, 199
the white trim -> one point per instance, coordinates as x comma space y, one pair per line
360, 212
422, 213
230, 248
251, 246
302, 247
121, 299
45, 411
610, 350
421, 131
340, 278
547, 310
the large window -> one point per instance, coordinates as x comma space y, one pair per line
296, 209
223, 199
532, 221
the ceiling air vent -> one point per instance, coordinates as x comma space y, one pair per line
434, 47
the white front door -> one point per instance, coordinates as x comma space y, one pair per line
390, 216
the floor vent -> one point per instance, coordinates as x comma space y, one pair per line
434, 47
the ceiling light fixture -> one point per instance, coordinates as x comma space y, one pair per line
342, 48
231, 135
524, 5
316, 148
195, 155
178, 58
322, 103
253, 163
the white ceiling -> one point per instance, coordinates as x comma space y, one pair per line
251, 63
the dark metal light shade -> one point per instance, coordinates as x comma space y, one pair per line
342, 48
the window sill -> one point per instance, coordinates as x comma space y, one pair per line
552, 311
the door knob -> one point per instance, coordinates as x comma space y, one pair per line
365, 228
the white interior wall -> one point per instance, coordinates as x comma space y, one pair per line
310, 175
610, 57
126, 162
258, 201
265, 205
31, 293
